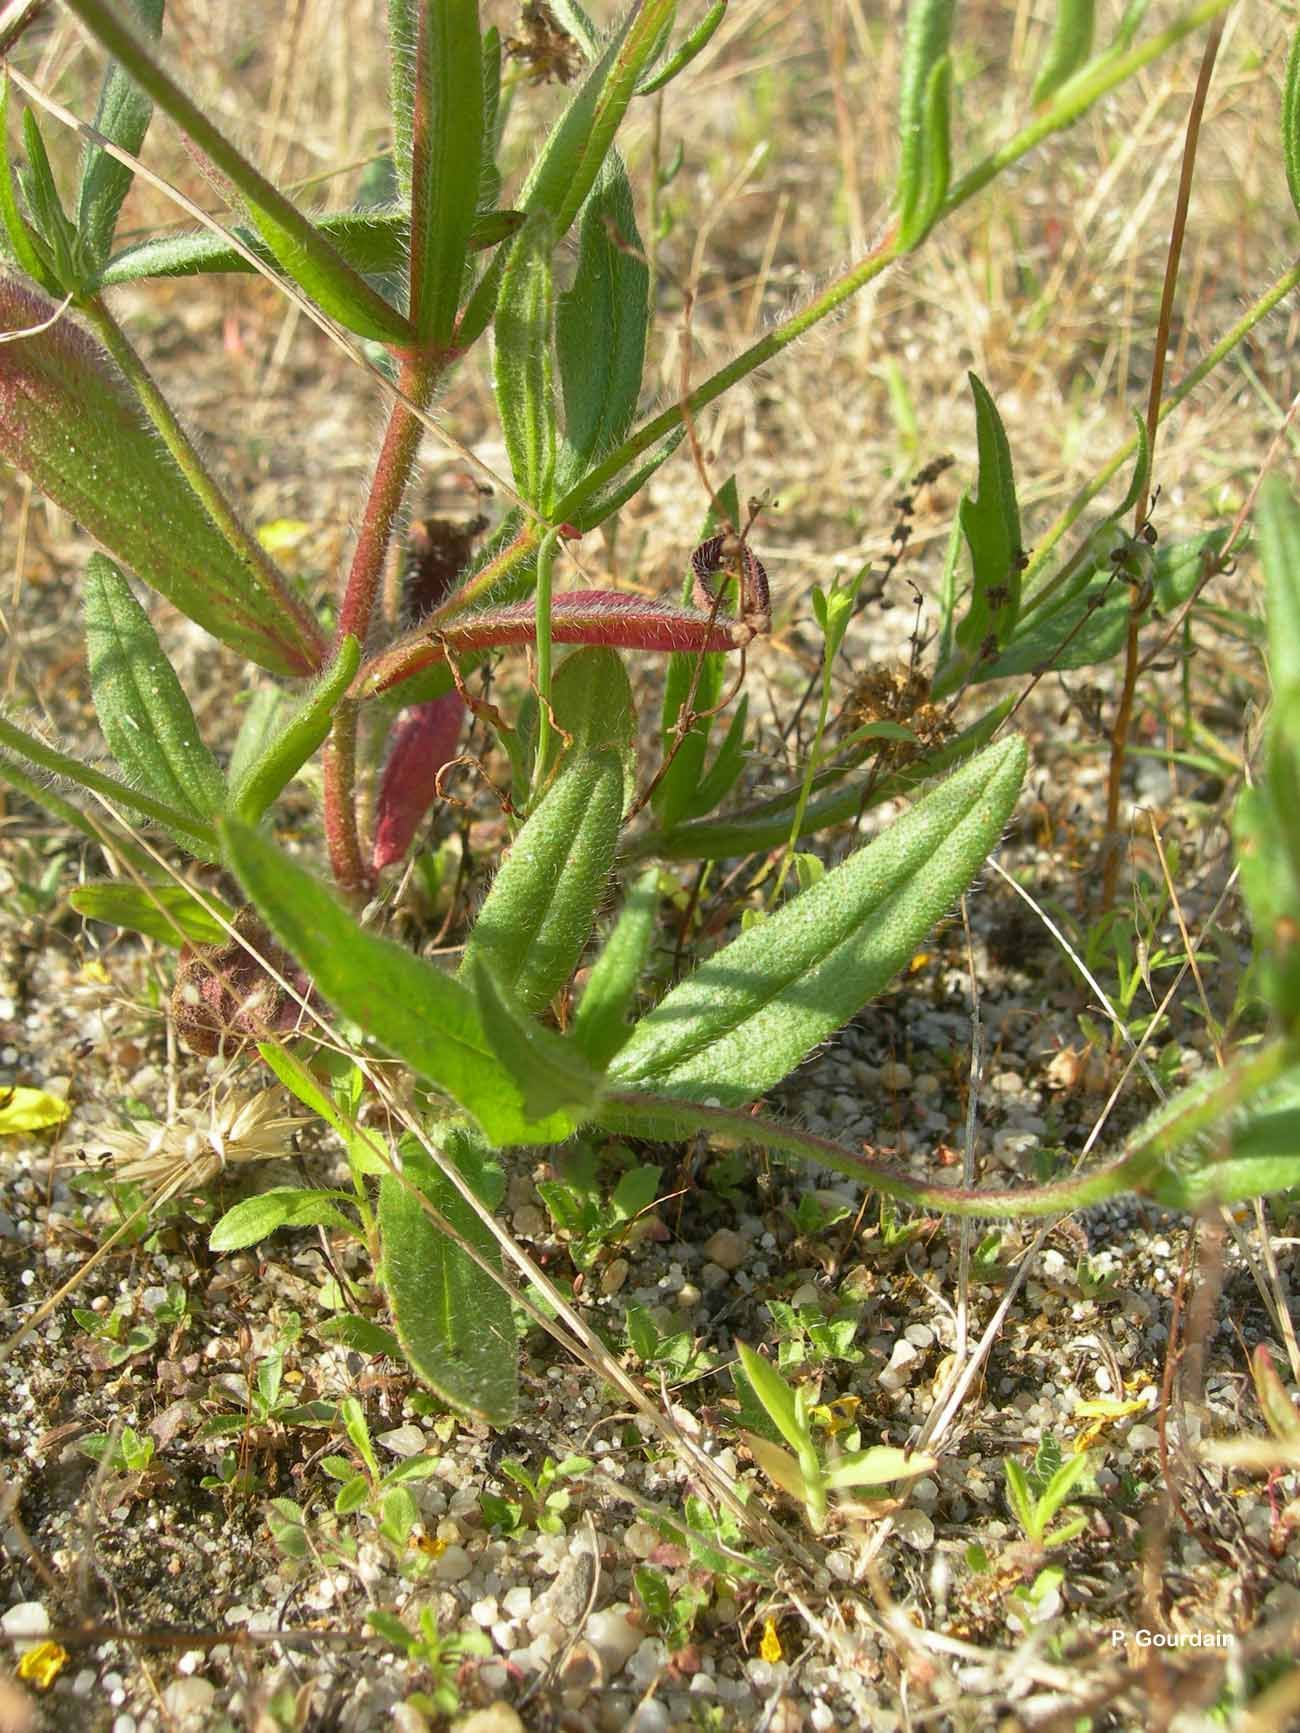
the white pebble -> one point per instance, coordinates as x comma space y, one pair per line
403, 1440
614, 1637
915, 1528
727, 1249
453, 1566
189, 1697
517, 1602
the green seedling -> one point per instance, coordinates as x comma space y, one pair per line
440, 1654
810, 1472
265, 1401
545, 1496
579, 1208
115, 1338
674, 1352
1037, 1498
385, 1493
808, 1337
126, 1452
670, 1612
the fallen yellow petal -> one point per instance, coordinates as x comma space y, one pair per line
770, 1647
42, 1665
1108, 1409
31, 1110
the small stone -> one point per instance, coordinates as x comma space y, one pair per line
453, 1565
496, 1718
650, 1717
688, 1297
1011, 1147
895, 1076
614, 1275
408, 1719
529, 1222
614, 1637
1142, 1438
786, 1717
649, 1661
517, 1603
190, 1698
902, 1365
26, 1619
920, 1335
926, 1084
403, 1440
915, 1529
713, 1276
640, 1540
727, 1249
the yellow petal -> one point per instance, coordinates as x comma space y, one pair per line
42, 1665
31, 1110
770, 1647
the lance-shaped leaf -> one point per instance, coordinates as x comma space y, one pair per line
26, 246
168, 912
198, 835
612, 617
48, 215
270, 770
753, 1011
1223, 1140
446, 157
374, 242
591, 702
1291, 120
539, 913
936, 155
452, 1318
1068, 48
1279, 1410
123, 118
143, 712
552, 1074
925, 44
300, 248
991, 524
410, 1006
424, 744
614, 496
600, 325
522, 367
567, 165
601, 1025
68, 424
693, 45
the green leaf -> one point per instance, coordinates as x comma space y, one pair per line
1278, 1409
1291, 120
991, 524
611, 498
1069, 47
361, 1334
776, 1396
925, 43
367, 1153
69, 423
693, 45
726, 768
282, 757
303, 252
169, 912
351, 1495
447, 150
122, 117
403, 38
1061, 1485
521, 364
591, 701
1020, 1498
550, 1073
754, 1010
411, 1008
1085, 624
30, 252
375, 242
48, 215
600, 1027
452, 1319
879, 1466
539, 913
600, 326
30, 1110
284, 1206
936, 155
40, 795
143, 712
1279, 550
263, 719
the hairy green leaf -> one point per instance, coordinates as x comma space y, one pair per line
925, 43
539, 913
692, 45
601, 1025
522, 365
1069, 47
754, 1010
29, 250
452, 1319
447, 150
409, 1006
143, 711
1291, 120
283, 1206
284, 755
123, 118
991, 524
168, 911
600, 326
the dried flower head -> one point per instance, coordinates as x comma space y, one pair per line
186, 1154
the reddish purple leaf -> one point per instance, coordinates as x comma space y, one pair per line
424, 744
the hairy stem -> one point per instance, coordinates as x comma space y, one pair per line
191, 465
342, 836
545, 727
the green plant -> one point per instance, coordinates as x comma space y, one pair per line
579, 1208
127, 1452
814, 1471
499, 1052
1037, 1497
674, 1352
671, 1612
545, 1499
441, 1654
367, 1487
808, 1337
